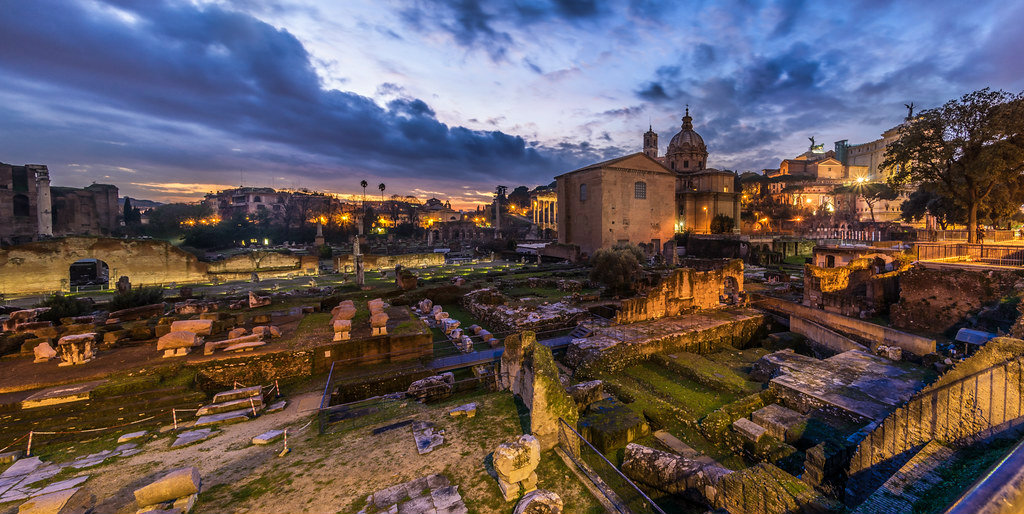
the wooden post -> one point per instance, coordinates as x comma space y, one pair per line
174, 414
252, 406
28, 451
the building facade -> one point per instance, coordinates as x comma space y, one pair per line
701, 192
630, 199
544, 211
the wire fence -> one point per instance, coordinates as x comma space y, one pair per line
620, 491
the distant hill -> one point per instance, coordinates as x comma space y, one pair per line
139, 203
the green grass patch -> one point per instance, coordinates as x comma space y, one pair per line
695, 398
707, 372
957, 475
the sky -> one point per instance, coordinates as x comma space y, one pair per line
170, 100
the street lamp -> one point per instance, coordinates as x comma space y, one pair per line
706, 220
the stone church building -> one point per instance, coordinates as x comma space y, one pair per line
598, 210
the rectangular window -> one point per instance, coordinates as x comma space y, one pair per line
640, 190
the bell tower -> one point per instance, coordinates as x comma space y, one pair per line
651, 143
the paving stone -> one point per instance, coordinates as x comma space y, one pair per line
445, 497
22, 467
268, 437
224, 418
52, 503
192, 436
131, 436
62, 485
425, 437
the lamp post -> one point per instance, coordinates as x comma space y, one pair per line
706, 220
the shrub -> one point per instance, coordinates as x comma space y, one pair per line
136, 297
63, 307
617, 267
721, 224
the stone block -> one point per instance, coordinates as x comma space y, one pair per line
192, 436
203, 327
261, 319
224, 418
432, 388
227, 344
161, 330
178, 339
244, 347
113, 336
76, 349
131, 436
515, 462
586, 393
266, 331
609, 425
237, 332
539, 501
784, 424
376, 306
468, 410
749, 430
44, 353
176, 484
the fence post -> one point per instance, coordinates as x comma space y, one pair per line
28, 451
174, 414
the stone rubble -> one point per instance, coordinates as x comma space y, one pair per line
515, 462
425, 437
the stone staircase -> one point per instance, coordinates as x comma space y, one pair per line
581, 331
913, 480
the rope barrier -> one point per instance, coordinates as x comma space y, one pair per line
13, 443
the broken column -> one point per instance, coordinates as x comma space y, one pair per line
174, 490
515, 462
199, 327
431, 388
76, 349
342, 328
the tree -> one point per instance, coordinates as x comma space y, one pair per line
381, 187
870, 192
130, 215
363, 184
924, 202
962, 151
617, 267
721, 224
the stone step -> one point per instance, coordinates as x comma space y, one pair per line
912, 481
224, 418
253, 402
234, 394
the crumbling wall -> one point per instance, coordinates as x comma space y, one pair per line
682, 289
265, 264
528, 370
935, 299
858, 289
346, 262
43, 266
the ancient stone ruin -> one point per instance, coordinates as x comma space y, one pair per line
515, 463
528, 370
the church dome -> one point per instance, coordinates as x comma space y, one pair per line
686, 137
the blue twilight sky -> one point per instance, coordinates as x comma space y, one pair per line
171, 99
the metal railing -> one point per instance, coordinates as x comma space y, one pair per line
620, 491
971, 253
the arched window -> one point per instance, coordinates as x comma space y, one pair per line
583, 192
640, 190
686, 164
21, 208
257, 199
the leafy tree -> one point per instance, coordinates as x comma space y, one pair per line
63, 307
924, 202
870, 192
963, 151
617, 267
722, 224
136, 297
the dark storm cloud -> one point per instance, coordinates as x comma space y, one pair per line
234, 74
472, 22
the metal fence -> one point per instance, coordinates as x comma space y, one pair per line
971, 253
620, 491
973, 408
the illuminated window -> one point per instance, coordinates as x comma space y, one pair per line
640, 190
583, 192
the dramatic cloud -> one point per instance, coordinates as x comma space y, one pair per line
171, 97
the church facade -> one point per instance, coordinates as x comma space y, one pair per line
701, 192
645, 197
